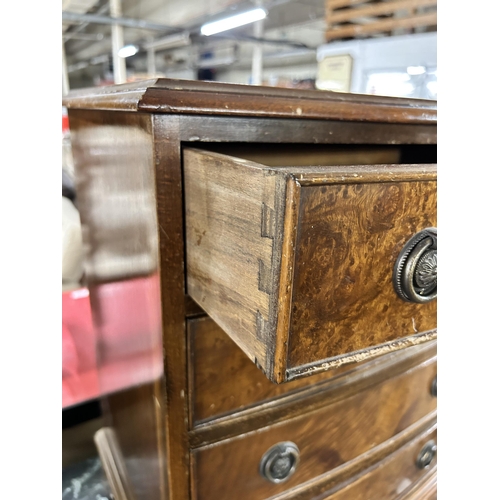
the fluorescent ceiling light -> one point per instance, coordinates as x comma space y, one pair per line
128, 50
233, 22
415, 70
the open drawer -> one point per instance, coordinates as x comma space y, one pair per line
310, 267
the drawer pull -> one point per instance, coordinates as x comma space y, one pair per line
415, 272
434, 387
426, 455
279, 462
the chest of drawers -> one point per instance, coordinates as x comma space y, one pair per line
286, 246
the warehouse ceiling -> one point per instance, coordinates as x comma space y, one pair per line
169, 42
292, 31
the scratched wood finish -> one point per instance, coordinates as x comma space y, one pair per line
216, 361
230, 225
338, 478
311, 398
348, 240
327, 438
425, 488
295, 263
168, 176
210, 98
212, 129
393, 478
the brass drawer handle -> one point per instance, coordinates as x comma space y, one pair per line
279, 462
415, 271
434, 387
427, 454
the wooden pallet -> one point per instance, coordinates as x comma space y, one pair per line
348, 19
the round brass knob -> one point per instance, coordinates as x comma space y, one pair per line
415, 272
427, 454
279, 462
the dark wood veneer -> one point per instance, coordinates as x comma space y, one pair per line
128, 145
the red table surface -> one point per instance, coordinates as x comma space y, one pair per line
116, 348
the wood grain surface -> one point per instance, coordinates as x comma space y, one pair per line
221, 131
326, 438
314, 397
340, 477
383, 25
278, 155
113, 464
232, 241
349, 237
224, 382
168, 176
295, 263
423, 489
176, 437
213, 98
390, 479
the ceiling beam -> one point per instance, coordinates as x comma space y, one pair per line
74, 17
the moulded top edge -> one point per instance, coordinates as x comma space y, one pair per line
214, 98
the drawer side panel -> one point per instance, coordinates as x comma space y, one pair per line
233, 216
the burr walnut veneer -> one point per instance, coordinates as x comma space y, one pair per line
286, 246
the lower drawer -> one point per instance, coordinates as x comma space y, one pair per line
316, 442
396, 476
223, 381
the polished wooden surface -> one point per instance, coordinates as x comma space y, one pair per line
312, 398
168, 176
326, 438
295, 263
390, 478
423, 489
127, 146
205, 130
216, 361
342, 476
212, 98
348, 239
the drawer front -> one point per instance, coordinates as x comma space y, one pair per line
224, 382
296, 263
326, 438
395, 477
348, 239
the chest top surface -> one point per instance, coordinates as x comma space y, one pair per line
214, 98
